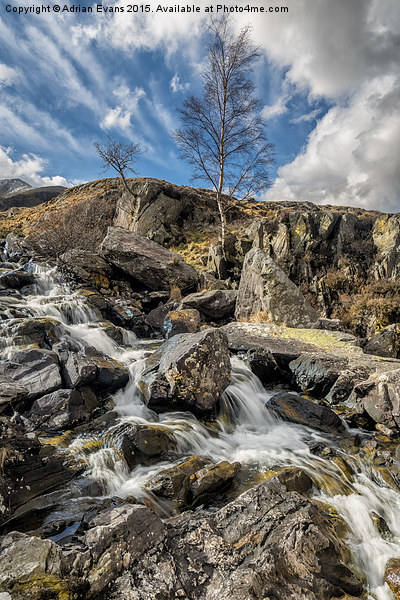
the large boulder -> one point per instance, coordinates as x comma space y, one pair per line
62, 409
87, 266
295, 408
181, 321
380, 396
146, 261
213, 303
267, 294
92, 368
315, 374
385, 343
188, 371
35, 369
268, 543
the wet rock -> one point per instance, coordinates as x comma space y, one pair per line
295, 480
28, 469
130, 317
146, 261
44, 332
268, 368
156, 317
12, 394
188, 371
16, 280
344, 384
210, 480
175, 482
295, 408
386, 343
181, 321
380, 396
62, 409
267, 294
87, 267
316, 374
268, 543
35, 369
141, 442
392, 576
213, 303
92, 368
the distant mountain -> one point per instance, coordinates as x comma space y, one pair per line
17, 193
9, 186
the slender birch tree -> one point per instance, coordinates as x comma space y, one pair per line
222, 134
121, 157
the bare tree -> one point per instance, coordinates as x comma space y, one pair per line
222, 134
121, 157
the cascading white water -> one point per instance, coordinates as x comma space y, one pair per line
245, 431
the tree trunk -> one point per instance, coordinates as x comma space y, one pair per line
223, 221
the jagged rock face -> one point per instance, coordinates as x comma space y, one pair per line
164, 209
380, 396
268, 543
386, 235
266, 293
148, 262
189, 371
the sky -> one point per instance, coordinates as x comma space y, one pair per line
328, 78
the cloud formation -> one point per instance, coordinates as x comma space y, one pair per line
347, 53
27, 168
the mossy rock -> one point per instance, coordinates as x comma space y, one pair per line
392, 576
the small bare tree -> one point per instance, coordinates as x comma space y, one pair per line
222, 134
121, 157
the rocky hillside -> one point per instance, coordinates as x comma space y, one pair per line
17, 193
345, 260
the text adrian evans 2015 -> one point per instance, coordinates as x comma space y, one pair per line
142, 8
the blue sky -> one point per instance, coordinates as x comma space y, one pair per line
328, 79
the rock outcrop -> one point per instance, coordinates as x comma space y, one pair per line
267, 294
189, 371
146, 261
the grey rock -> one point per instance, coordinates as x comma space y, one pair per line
295, 408
62, 409
188, 371
181, 321
35, 369
217, 264
85, 265
266, 293
213, 303
146, 261
11, 394
268, 543
380, 396
386, 236
386, 343
141, 442
316, 374
16, 279
92, 368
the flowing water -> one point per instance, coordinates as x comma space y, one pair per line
245, 431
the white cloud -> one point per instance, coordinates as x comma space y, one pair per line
274, 110
311, 116
7, 74
352, 155
177, 86
27, 168
120, 116
116, 118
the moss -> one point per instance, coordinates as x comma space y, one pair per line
48, 587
